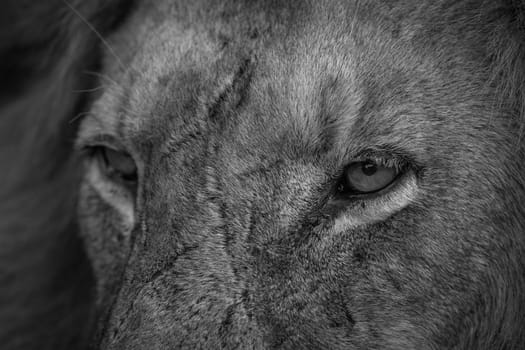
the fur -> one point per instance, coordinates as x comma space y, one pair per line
240, 116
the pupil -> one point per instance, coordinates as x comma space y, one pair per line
369, 169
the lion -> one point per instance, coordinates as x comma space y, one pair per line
334, 174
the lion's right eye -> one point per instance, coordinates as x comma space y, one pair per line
116, 165
368, 177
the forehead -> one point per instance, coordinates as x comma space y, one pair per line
311, 73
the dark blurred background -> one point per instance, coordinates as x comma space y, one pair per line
46, 285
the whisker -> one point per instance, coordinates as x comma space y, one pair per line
78, 116
96, 32
116, 87
89, 90
105, 77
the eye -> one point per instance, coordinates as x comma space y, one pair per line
116, 165
367, 177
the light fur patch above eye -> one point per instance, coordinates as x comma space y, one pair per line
117, 196
369, 211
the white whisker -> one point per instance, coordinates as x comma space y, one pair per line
96, 32
89, 90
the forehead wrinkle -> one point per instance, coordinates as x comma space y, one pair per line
335, 104
171, 42
312, 88
176, 81
208, 108
377, 98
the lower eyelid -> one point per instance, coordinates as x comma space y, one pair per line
378, 207
116, 196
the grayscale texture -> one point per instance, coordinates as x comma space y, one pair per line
241, 118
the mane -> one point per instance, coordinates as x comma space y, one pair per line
46, 281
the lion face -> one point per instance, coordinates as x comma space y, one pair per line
339, 175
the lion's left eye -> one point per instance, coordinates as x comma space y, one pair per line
115, 163
367, 177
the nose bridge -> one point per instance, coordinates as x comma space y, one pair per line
278, 199
282, 195
141, 302
179, 274
131, 301
163, 235
185, 264
196, 295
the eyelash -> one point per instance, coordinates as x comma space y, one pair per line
381, 159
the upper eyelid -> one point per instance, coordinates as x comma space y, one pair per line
382, 160
93, 133
94, 130
388, 155
97, 140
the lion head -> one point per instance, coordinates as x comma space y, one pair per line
308, 175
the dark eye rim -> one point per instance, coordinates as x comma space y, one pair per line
98, 154
401, 163
347, 189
